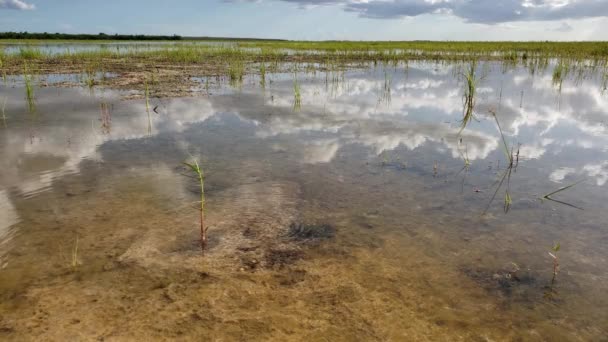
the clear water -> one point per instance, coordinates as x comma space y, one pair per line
411, 256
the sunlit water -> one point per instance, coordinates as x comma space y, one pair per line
99, 228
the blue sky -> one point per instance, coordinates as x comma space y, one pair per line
318, 19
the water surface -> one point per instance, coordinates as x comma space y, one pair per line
374, 158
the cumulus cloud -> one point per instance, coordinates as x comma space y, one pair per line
16, 5
475, 11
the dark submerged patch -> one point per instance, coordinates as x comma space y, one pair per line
301, 232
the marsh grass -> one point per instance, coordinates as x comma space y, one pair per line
89, 74
263, 75
505, 179
28, 53
468, 98
385, 92
200, 176
236, 71
559, 74
2, 58
297, 97
29, 90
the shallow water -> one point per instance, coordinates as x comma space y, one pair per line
406, 253
113, 46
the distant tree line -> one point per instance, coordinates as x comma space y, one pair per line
100, 36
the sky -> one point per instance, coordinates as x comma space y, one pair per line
317, 19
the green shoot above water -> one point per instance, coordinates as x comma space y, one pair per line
196, 169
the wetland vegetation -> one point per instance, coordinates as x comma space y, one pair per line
345, 182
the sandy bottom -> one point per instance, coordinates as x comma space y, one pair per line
140, 274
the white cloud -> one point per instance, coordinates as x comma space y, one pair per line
475, 11
16, 5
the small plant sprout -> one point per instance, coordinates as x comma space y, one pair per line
196, 169
556, 247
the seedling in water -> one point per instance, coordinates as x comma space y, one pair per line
195, 167
553, 255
